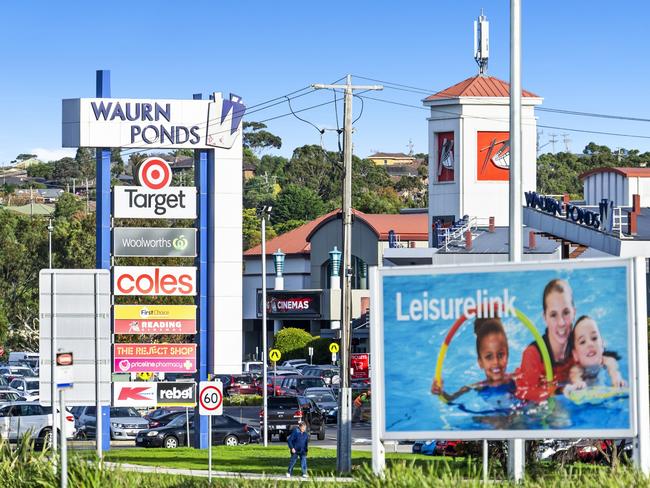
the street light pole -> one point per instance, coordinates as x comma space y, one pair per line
344, 437
49, 241
266, 211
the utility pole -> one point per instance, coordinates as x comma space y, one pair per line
516, 447
553, 140
265, 213
344, 426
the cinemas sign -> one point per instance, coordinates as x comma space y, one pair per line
162, 358
154, 319
154, 280
289, 304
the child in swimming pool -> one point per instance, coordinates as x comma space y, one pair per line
593, 363
492, 352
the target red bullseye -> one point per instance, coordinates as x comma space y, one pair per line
154, 173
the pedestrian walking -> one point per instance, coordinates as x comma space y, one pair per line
298, 442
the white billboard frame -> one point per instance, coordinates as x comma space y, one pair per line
637, 347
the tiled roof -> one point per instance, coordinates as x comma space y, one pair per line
627, 172
411, 227
477, 86
389, 155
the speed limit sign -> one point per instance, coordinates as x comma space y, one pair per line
210, 398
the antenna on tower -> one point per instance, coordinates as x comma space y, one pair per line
410, 146
567, 141
482, 43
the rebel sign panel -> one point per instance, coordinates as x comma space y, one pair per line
154, 280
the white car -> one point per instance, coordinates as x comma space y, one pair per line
20, 418
26, 387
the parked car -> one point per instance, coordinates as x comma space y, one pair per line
244, 384
126, 422
225, 430
161, 411
18, 358
29, 418
9, 395
325, 401
252, 367
284, 412
424, 447
10, 372
329, 374
27, 387
162, 420
293, 362
296, 385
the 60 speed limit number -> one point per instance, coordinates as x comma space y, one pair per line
210, 398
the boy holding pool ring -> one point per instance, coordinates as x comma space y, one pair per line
559, 313
593, 363
492, 352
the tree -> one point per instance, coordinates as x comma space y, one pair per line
259, 191
67, 206
257, 139
252, 229
25, 157
117, 163
41, 170
291, 342
183, 153
272, 165
312, 167
297, 203
289, 225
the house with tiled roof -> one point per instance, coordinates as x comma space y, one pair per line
392, 159
309, 274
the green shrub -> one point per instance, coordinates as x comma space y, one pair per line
292, 343
242, 401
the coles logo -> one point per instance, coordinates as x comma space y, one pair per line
281, 305
154, 280
154, 173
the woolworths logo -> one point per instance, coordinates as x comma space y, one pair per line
180, 243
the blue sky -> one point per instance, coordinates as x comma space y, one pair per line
579, 55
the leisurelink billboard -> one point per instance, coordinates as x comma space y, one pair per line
529, 351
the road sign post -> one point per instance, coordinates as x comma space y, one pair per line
311, 355
334, 348
64, 380
210, 403
274, 355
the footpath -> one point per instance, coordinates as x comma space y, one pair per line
203, 473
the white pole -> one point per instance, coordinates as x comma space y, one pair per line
485, 461
516, 447
265, 432
64, 445
187, 426
210, 449
53, 357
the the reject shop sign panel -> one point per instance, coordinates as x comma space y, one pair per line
162, 358
154, 280
174, 202
154, 319
163, 394
360, 363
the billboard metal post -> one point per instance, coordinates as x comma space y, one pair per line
378, 450
98, 432
64, 444
52, 357
201, 179
642, 442
103, 232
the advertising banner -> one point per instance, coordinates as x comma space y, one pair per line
162, 358
154, 319
154, 280
523, 351
138, 202
158, 394
446, 153
360, 365
154, 242
493, 156
148, 123
290, 304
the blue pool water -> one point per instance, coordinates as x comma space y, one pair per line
411, 349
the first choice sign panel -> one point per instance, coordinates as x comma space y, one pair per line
146, 123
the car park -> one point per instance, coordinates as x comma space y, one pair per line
293, 362
427, 448
296, 385
27, 387
225, 430
284, 412
325, 401
22, 418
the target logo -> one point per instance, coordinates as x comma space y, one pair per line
154, 173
